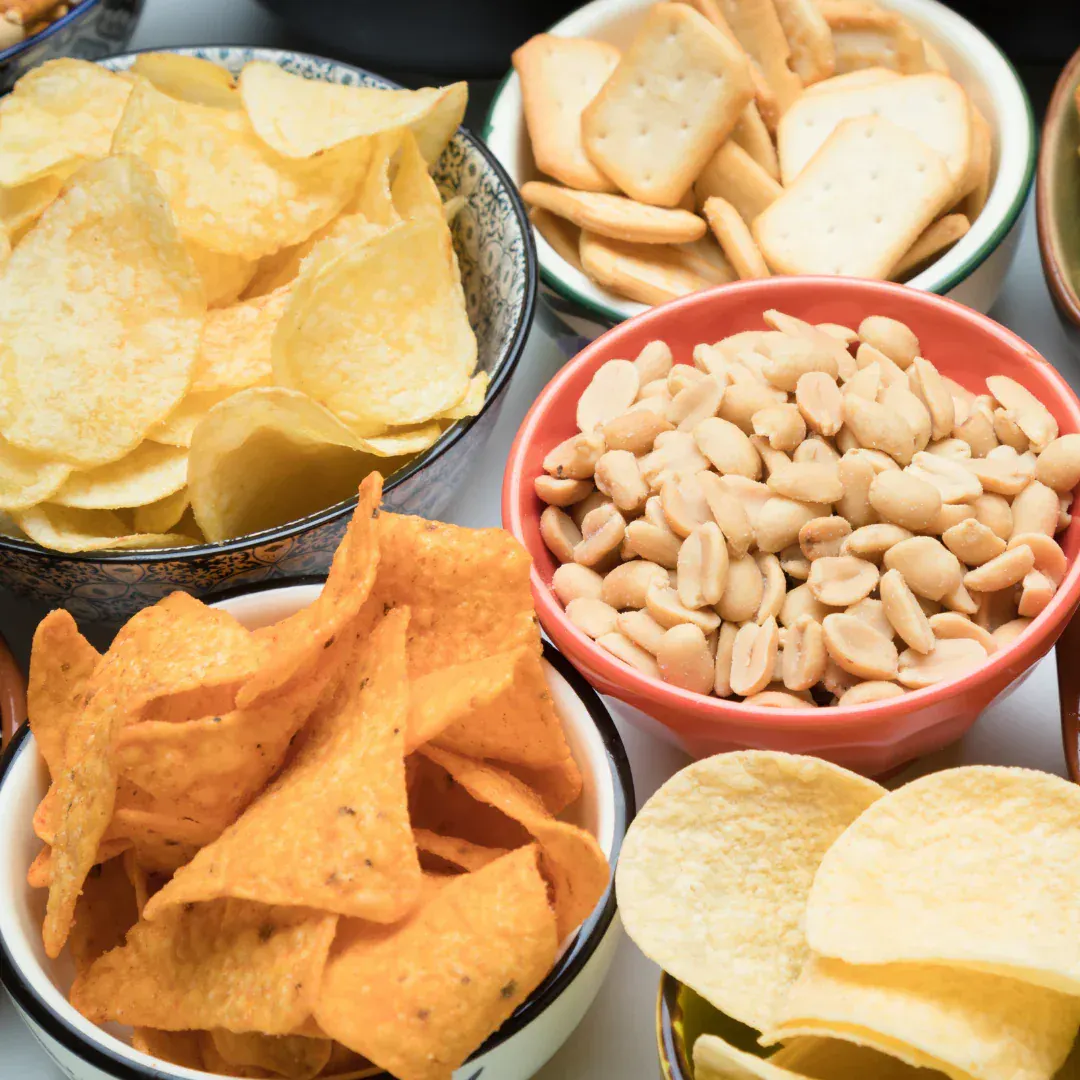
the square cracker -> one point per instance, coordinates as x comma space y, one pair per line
733, 175
858, 206
809, 38
866, 35
675, 96
648, 273
931, 106
559, 77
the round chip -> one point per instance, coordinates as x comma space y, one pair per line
715, 870
149, 473
26, 479
62, 528
919, 878
189, 78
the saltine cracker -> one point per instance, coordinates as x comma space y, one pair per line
648, 273
733, 175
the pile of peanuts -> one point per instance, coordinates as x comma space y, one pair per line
808, 515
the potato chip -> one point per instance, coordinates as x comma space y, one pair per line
163, 515
919, 878
100, 308
413, 191
452, 207
269, 455
472, 402
234, 351
419, 997
333, 833
213, 1062
61, 528
169, 648
176, 1047
188, 78
224, 277
229, 191
964, 1023
461, 853
400, 442
570, 857
732, 928
144, 475
228, 964
106, 911
380, 335
374, 198
301, 117
434, 131
61, 664
20, 207
178, 428
27, 479
59, 115
291, 1056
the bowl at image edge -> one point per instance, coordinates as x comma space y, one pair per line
497, 256
516, 1051
872, 738
972, 271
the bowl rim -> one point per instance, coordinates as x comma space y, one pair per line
611, 314
513, 351
1065, 292
834, 721
82, 7
566, 970
670, 1049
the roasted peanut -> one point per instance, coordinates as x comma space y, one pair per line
950, 624
794, 563
641, 628
602, 532
729, 512
972, 542
625, 650
816, 451
866, 384
725, 645
743, 591
1030, 414
878, 428
955, 483
685, 659
904, 614
872, 612
801, 601
782, 425
575, 458
635, 431
892, 338
656, 543
872, 541
914, 413
1036, 509
927, 385
995, 513
949, 659
953, 449
592, 617
702, 566
1049, 558
573, 582
859, 649
904, 499
774, 587
1008, 431
1002, 571
856, 474
889, 371
929, 568
610, 392
1059, 464
805, 656
824, 536
808, 483
562, 493
727, 448
628, 584
1008, 632
949, 515
663, 604
789, 357
1001, 476
753, 657
1038, 591
579, 511
865, 693
674, 454
618, 476
842, 580
685, 507
697, 402
560, 534
653, 362
819, 401
779, 699
743, 399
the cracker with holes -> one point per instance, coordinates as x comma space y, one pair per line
559, 77
931, 106
735, 239
809, 38
616, 216
858, 206
734, 176
866, 35
648, 273
561, 234
673, 99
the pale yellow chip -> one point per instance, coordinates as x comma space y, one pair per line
21, 206
380, 336
26, 479
189, 78
227, 189
452, 207
403, 441
100, 310
224, 277
963, 1023
921, 877
413, 192
234, 352
472, 402
58, 115
435, 130
267, 456
148, 473
162, 516
301, 117
62, 528
179, 426
374, 198
715, 870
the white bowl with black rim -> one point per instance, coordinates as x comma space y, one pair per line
972, 271
82, 1050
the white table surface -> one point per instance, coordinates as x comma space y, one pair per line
616, 1039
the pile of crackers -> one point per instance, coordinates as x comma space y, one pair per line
744, 138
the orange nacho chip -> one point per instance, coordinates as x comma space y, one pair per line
139, 878
461, 853
558, 785
419, 997
227, 964
291, 1056
213, 1062
106, 911
177, 1047
333, 832
39, 876
61, 663
571, 858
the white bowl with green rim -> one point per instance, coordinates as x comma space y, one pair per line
972, 271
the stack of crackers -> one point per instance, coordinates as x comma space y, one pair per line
743, 138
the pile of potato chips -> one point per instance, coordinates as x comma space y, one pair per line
222, 304
328, 846
871, 933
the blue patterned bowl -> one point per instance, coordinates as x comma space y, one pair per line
498, 266
90, 30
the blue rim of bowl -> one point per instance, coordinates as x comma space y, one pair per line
499, 381
592, 931
77, 12
611, 315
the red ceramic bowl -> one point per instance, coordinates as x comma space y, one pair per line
870, 738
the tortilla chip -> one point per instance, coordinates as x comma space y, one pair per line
570, 857
419, 997
106, 911
213, 1062
460, 853
557, 785
291, 1056
39, 876
333, 832
227, 964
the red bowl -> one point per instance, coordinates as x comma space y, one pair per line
871, 738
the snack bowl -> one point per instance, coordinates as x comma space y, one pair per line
681, 1016
91, 29
870, 738
1057, 194
972, 271
539, 1027
495, 251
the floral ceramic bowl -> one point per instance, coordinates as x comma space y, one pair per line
515, 1052
495, 251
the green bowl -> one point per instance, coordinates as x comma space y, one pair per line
1057, 199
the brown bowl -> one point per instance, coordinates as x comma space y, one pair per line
1057, 199
12, 694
